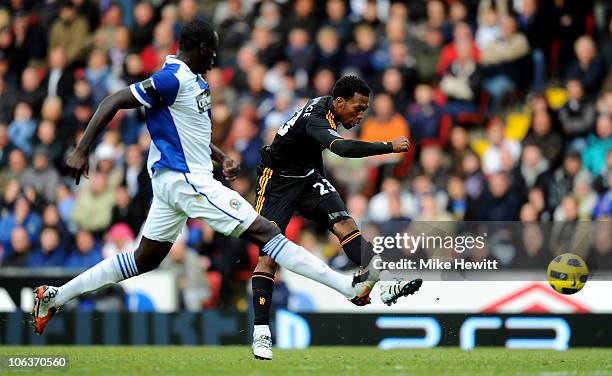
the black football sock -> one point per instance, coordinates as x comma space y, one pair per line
357, 249
263, 286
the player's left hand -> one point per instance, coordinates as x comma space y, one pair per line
231, 168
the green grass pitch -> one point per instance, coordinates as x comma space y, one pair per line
328, 361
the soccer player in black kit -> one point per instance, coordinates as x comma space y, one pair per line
291, 177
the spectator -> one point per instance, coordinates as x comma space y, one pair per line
99, 76
46, 138
532, 171
106, 161
323, 84
533, 250
502, 62
29, 41
459, 147
21, 247
473, 175
603, 206
424, 115
329, 50
42, 176
460, 206
379, 208
498, 146
71, 31
537, 199
577, 116
564, 179
136, 177
599, 257
536, 20
393, 84
302, 16
22, 216
17, 164
141, 32
541, 135
163, 44
432, 166
118, 52
50, 252
430, 210
586, 197
256, 93
269, 50
66, 203
22, 128
489, 29
51, 218
6, 146
462, 33
7, 95
59, 79
598, 145
87, 252
461, 81
192, 284
94, 205
421, 186
104, 35
384, 125
401, 59
189, 10
300, 51
499, 202
118, 239
337, 19
587, 68
360, 55
127, 210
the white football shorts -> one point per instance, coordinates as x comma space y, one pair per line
178, 196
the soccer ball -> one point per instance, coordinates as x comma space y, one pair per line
567, 273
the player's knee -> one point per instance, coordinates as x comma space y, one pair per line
148, 257
262, 231
345, 226
266, 264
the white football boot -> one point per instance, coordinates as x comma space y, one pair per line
262, 342
390, 291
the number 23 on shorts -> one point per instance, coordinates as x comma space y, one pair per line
324, 186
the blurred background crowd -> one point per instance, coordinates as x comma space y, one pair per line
508, 103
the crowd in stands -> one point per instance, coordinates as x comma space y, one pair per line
508, 104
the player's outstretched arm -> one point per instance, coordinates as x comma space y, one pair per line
360, 149
78, 160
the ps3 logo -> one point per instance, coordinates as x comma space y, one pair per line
469, 328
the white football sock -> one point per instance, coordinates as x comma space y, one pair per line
111, 270
297, 259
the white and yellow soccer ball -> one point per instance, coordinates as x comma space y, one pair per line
567, 273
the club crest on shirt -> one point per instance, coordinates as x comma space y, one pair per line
235, 204
204, 101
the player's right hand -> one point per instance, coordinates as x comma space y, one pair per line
78, 163
401, 144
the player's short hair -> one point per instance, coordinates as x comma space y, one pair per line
347, 86
194, 33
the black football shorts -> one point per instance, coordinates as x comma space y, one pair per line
313, 196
